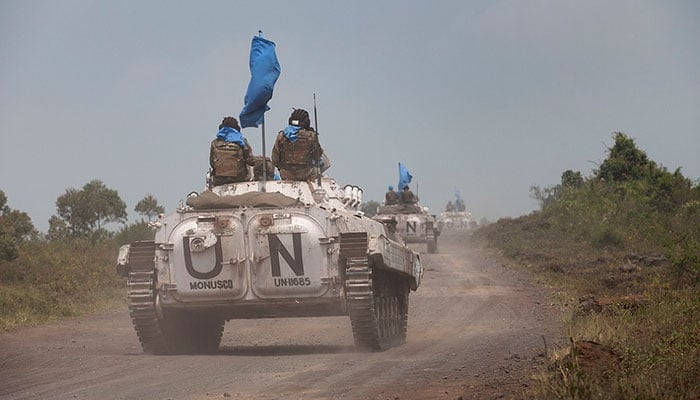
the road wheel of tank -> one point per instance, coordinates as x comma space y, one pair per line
377, 304
391, 303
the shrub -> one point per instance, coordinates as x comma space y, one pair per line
52, 279
134, 232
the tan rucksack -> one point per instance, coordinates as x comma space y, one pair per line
229, 159
299, 152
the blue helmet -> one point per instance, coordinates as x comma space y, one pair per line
390, 187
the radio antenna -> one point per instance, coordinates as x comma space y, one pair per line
315, 114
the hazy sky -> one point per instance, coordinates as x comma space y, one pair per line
488, 97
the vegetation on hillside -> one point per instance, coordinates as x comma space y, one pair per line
71, 270
622, 249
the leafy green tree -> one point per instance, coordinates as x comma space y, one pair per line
134, 232
370, 208
3, 203
625, 161
86, 211
546, 196
572, 179
148, 207
15, 228
58, 229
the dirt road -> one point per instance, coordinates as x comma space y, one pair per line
474, 330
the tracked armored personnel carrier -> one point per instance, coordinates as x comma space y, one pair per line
413, 223
296, 249
456, 220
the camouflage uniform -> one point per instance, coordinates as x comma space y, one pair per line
257, 163
391, 198
229, 161
297, 161
407, 196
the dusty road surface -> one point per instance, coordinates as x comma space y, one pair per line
474, 331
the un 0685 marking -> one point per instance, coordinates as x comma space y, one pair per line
303, 281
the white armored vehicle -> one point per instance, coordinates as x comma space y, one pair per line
296, 249
456, 216
457, 220
412, 222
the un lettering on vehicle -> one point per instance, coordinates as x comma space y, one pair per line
411, 226
208, 274
293, 265
294, 260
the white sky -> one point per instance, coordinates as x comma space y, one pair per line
487, 97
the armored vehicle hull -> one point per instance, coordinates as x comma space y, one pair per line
413, 224
457, 220
297, 249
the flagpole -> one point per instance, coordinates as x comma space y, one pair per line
264, 159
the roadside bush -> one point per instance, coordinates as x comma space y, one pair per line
71, 271
52, 279
134, 232
607, 237
683, 245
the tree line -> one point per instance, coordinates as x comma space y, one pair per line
80, 214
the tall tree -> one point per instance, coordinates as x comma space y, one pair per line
86, 211
571, 179
15, 228
3, 202
625, 161
148, 207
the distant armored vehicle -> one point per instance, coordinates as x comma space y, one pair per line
297, 249
457, 220
413, 223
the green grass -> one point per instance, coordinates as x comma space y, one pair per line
54, 280
25, 306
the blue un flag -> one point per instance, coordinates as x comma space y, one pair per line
404, 177
264, 71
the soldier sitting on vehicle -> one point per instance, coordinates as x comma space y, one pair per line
390, 197
229, 154
449, 207
459, 205
297, 152
407, 196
